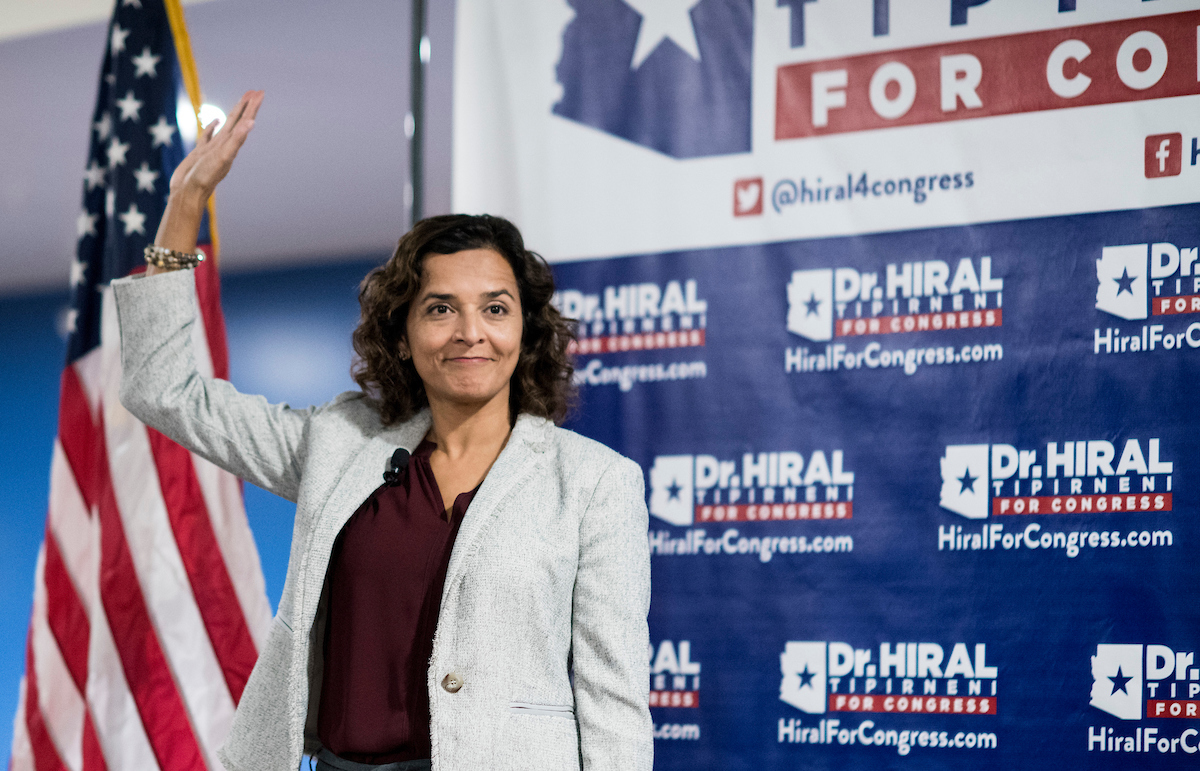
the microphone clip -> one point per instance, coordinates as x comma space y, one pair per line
399, 462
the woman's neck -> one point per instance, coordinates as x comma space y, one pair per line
469, 429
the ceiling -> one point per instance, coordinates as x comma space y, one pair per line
322, 178
21, 18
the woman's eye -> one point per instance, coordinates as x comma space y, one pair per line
439, 309
496, 310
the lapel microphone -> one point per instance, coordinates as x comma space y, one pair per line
399, 462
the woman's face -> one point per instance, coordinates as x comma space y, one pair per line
464, 327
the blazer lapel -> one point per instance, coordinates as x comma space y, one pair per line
359, 479
525, 445
365, 473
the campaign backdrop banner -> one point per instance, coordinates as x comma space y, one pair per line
898, 306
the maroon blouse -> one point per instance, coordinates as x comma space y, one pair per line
386, 574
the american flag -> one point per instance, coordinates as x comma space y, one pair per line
149, 605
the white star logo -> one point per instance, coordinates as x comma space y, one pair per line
134, 221
116, 152
85, 224
146, 63
162, 132
145, 177
78, 272
663, 19
118, 39
103, 126
130, 107
93, 175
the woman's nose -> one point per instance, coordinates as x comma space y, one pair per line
469, 328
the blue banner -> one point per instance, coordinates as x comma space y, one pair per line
915, 495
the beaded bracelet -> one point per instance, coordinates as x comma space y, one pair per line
170, 259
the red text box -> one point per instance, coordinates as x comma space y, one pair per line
919, 322
639, 341
942, 705
674, 698
1082, 504
1169, 306
1013, 76
774, 512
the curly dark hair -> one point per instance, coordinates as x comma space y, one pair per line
541, 384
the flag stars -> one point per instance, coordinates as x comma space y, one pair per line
162, 132
116, 152
85, 225
118, 39
135, 3
130, 107
146, 63
145, 177
134, 221
93, 175
103, 126
78, 272
71, 319
110, 203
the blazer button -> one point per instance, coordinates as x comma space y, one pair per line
452, 682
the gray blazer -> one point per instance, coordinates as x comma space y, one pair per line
540, 656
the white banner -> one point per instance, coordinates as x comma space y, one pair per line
817, 126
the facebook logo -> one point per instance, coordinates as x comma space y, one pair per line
1164, 155
671, 75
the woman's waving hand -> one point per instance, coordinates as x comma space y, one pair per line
197, 176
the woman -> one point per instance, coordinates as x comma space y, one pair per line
485, 607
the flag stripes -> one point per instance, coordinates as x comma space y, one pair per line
93, 756
146, 668
208, 302
77, 433
172, 582
149, 601
65, 615
60, 701
215, 597
37, 738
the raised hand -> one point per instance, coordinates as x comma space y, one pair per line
210, 160
196, 177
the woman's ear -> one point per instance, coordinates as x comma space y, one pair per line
402, 348
394, 324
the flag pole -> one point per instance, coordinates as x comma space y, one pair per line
191, 82
416, 161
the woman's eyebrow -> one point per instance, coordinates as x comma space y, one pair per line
445, 297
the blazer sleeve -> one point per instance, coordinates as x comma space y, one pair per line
259, 442
610, 639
